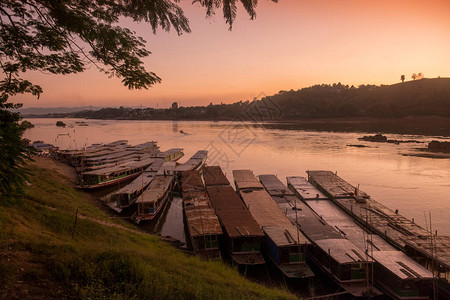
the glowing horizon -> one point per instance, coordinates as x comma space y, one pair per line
290, 45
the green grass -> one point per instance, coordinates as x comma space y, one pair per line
39, 255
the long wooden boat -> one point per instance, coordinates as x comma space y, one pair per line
401, 232
127, 195
73, 157
117, 155
395, 273
336, 256
173, 154
196, 162
283, 242
243, 236
154, 198
202, 223
111, 163
113, 175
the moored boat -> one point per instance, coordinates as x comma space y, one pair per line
283, 242
157, 194
243, 236
173, 154
394, 273
202, 223
127, 195
336, 256
196, 162
113, 175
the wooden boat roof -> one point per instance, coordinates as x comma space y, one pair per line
110, 156
143, 146
333, 185
282, 236
232, 212
137, 184
399, 229
194, 162
200, 154
188, 195
116, 143
342, 221
401, 265
196, 200
274, 186
143, 180
440, 247
155, 166
304, 189
168, 168
213, 175
266, 212
245, 179
130, 165
169, 152
191, 181
111, 163
202, 220
342, 250
100, 152
156, 189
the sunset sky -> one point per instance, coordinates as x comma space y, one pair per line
291, 44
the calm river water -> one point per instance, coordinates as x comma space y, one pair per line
416, 186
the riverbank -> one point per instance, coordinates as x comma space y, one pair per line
42, 256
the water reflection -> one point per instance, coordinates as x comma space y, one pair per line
414, 185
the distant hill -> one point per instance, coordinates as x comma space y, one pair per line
419, 97
424, 97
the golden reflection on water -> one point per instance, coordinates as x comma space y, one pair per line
413, 185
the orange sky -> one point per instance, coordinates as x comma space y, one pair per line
290, 45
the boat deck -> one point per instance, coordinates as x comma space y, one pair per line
157, 188
195, 162
395, 228
234, 216
213, 175
377, 248
200, 217
129, 165
141, 182
245, 179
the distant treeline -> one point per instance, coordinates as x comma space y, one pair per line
423, 97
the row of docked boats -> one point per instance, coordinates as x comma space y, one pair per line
320, 220
298, 224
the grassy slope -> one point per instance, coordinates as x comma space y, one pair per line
108, 258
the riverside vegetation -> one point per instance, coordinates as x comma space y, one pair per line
106, 257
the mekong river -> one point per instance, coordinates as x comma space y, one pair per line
416, 186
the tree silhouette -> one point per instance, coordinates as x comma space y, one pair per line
402, 78
66, 37
414, 76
